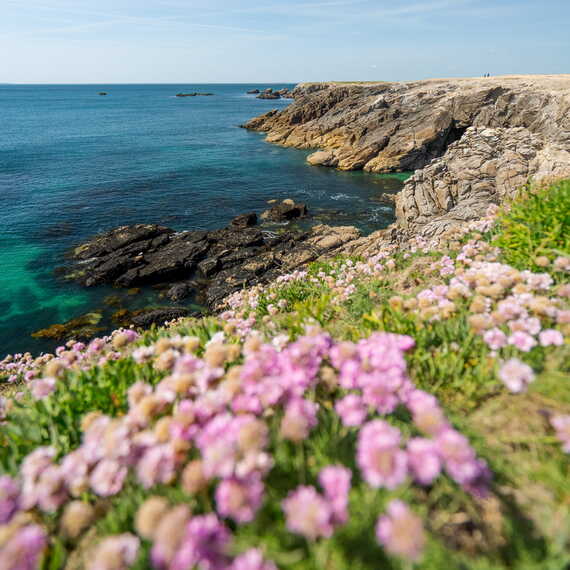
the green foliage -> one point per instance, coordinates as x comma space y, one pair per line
537, 223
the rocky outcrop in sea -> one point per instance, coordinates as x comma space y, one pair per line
469, 142
209, 265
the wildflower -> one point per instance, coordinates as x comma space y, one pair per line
9, 498
252, 559
115, 553
308, 514
168, 536
523, 341
24, 548
149, 515
193, 478
239, 499
77, 516
495, 338
157, 465
516, 375
423, 460
562, 426
401, 532
382, 462
352, 410
335, 482
299, 419
108, 477
204, 544
551, 337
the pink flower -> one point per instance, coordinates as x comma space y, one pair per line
23, 549
299, 419
157, 466
352, 410
239, 499
9, 498
401, 532
382, 462
308, 514
562, 426
108, 477
495, 338
115, 553
43, 387
523, 341
423, 459
551, 337
204, 545
516, 375
252, 559
335, 482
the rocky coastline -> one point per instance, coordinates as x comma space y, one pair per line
469, 142
199, 266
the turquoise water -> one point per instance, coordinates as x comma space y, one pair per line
73, 163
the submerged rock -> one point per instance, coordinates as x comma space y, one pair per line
80, 328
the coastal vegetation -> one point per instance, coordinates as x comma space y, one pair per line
409, 408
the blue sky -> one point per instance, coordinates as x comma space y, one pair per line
191, 41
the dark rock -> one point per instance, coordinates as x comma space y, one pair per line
210, 264
269, 96
244, 220
180, 291
159, 316
195, 94
285, 211
253, 92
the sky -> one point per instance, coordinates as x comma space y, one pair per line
266, 41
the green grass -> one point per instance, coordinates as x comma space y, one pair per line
536, 223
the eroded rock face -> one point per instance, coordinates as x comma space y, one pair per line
471, 142
211, 265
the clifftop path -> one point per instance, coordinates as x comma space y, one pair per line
470, 142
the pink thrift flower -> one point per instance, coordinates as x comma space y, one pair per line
299, 419
562, 426
108, 477
157, 465
204, 545
401, 532
551, 337
516, 375
379, 457
42, 387
523, 341
495, 338
239, 499
115, 553
352, 410
23, 549
423, 459
308, 514
252, 559
335, 482
9, 498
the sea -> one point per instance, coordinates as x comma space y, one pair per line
74, 163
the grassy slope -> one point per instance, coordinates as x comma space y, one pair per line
524, 524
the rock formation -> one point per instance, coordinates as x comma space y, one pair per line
213, 263
471, 142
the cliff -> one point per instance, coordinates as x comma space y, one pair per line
470, 142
